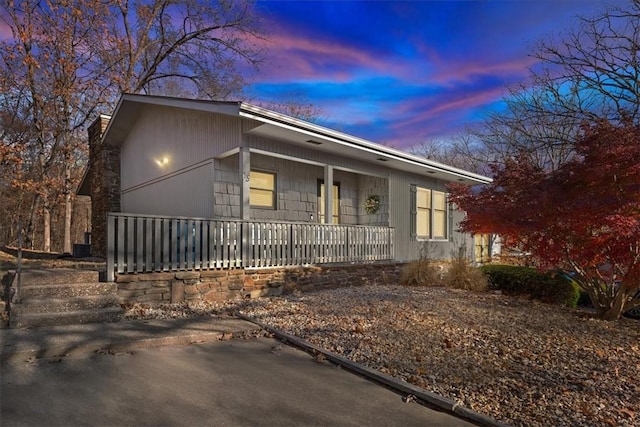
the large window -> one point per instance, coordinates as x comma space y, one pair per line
262, 189
335, 194
430, 213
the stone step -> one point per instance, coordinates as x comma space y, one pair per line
61, 305
57, 276
33, 320
59, 291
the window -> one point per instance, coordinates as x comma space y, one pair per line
423, 221
439, 215
482, 248
429, 211
336, 202
262, 190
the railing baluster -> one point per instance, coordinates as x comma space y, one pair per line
130, 245
121, 246
142, 243
148, 232
111, 247
166, 245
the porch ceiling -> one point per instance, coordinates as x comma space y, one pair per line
335, 146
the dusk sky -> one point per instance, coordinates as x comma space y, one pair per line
405, 72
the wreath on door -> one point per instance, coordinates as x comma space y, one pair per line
372, 204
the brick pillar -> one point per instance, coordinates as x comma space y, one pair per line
104, 161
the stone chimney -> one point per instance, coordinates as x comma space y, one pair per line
104, 161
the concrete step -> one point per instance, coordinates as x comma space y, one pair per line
60, 305
33, 320
70, 290
55, 276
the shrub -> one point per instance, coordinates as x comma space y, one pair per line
546, 287
462, 275
420, 273
584, 300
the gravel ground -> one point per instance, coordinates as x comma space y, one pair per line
521, 362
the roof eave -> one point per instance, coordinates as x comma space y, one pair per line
267, 116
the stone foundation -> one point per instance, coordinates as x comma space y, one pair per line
222, 285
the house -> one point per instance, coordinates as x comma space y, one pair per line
208, 169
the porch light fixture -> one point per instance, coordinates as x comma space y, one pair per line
311, 141
162, 161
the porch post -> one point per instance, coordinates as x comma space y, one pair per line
244, 167
245, 170
328, 194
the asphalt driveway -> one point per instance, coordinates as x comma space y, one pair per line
257, 382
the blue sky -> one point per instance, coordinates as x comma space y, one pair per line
405, 72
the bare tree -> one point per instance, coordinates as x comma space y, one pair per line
598, 64
464, 151
183, 47
294, 104
67, 61
592, 73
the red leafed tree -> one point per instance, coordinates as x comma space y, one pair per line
583, 217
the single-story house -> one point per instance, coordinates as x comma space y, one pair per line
246, 185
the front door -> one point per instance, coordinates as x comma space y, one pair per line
336, 202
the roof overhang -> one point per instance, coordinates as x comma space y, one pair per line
285, 128
282, 127
130, 106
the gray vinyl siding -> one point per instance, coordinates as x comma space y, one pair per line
407, 247
184, 137
189, 193
296, 188
197, 182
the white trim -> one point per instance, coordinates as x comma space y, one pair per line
228, 153
168, 176
286, 157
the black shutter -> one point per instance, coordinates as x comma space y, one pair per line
413, 212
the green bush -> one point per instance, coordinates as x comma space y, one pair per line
546, 287
584, 300
420, 273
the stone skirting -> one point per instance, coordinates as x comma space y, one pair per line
222, 285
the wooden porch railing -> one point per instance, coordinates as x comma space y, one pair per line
142, 243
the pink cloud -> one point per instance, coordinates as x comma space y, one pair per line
294, 55
465, 71
455, 69
428, 109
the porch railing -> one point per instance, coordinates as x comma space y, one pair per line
141, 243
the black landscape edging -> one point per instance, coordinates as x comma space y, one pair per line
431, 398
